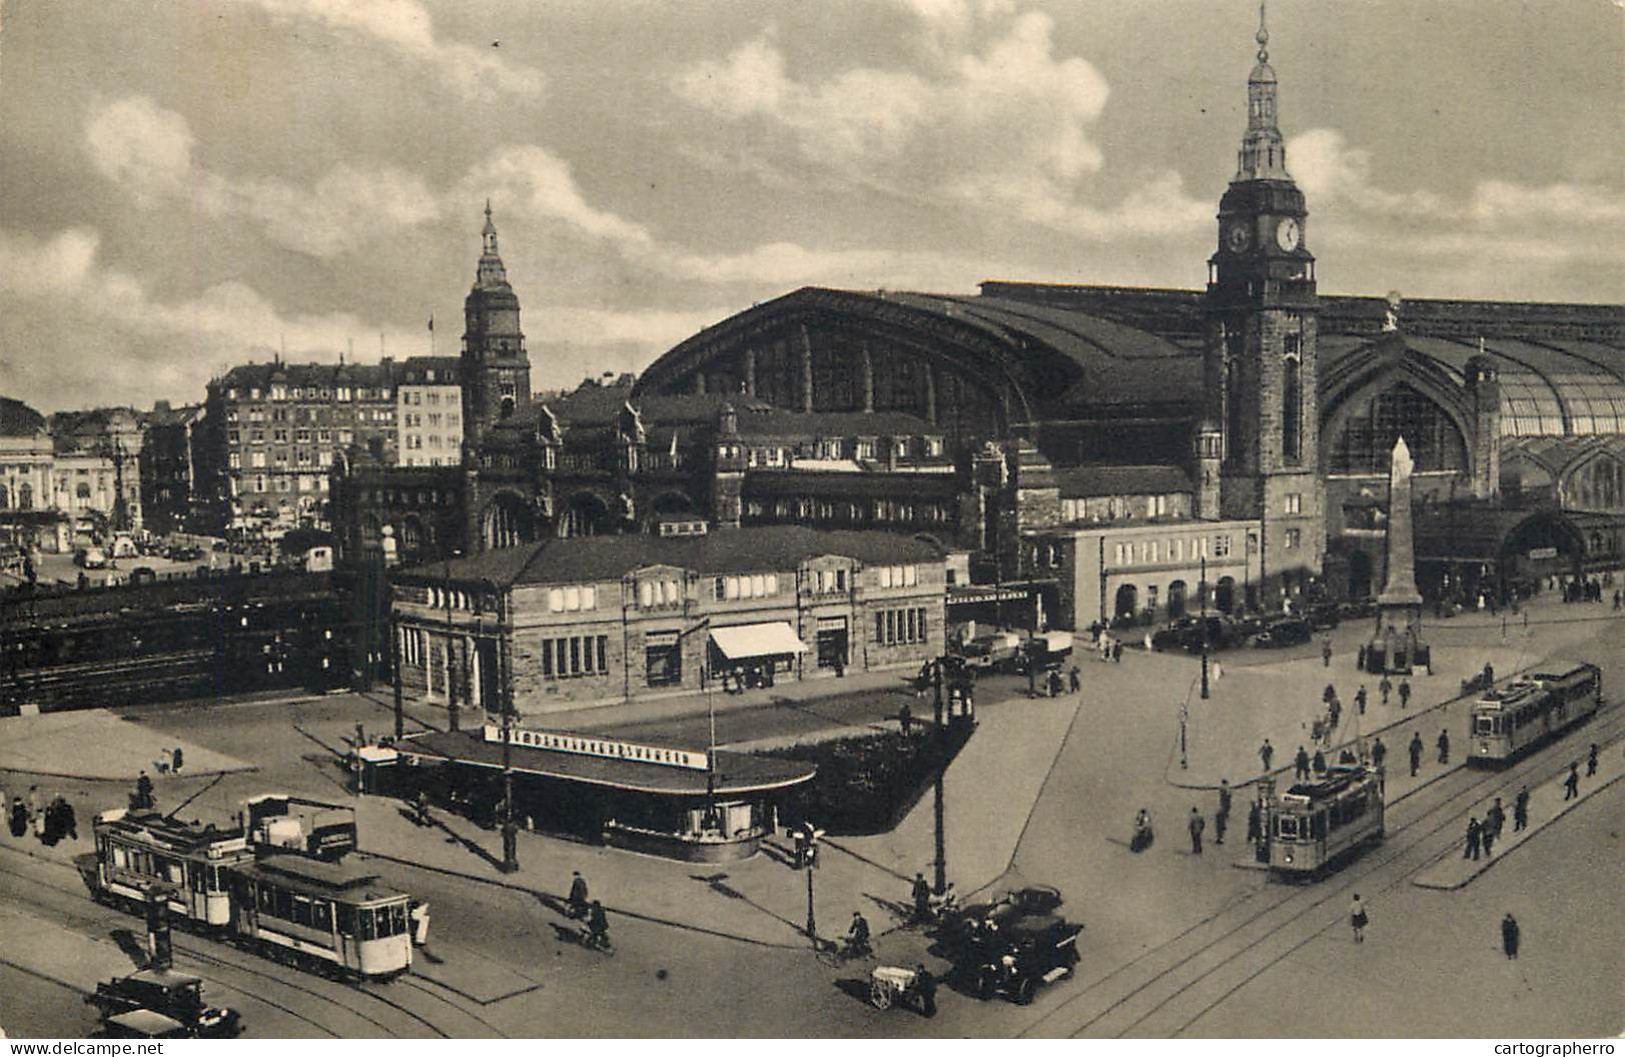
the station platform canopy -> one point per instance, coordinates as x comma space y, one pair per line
602, 760
748, 641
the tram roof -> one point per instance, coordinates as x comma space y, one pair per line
191, 836
1337, 780
736, 772
314, 877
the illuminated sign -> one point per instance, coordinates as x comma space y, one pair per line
609, 748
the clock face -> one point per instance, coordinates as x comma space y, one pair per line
1238, 236
1288, 234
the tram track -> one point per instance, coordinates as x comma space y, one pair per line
69, 908
1448, 795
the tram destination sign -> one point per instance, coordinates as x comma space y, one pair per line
609, 748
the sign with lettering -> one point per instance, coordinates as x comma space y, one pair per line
609, 748
1540, 553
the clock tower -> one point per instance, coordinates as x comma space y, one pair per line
1259, 360
495, 365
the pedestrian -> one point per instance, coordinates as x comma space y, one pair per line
360, 735
905, 719
1319, 763
1117, 653
578, 894
1266, 753
1300, 764
1475, 834
1074, 680
1335, 712
1197, 825
922, 897
1326, 653
1328, 695
1571, 784
1509, 936
1255, 823
1404, 693
1416, 752
1224, 798
1359, 699
176, 759
1379, 753
1385, 687
1495, 819
1358, 918
1520, 810
925, 985
1444, 746
144, 800
1359, 662
1218, 670
19, 818
1220, 820
1591, 762
1486, 836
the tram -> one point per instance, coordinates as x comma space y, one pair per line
256, 886
1315, 824
1533, 708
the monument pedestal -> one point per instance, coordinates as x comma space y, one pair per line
1397, 647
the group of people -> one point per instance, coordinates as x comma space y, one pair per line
579, 906
49, 820
1588, 590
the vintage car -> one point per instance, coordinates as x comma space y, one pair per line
177, 996
1014, 944
1288, 631
143, 1024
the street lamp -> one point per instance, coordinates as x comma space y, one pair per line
1204, 648
451, 684
510, 828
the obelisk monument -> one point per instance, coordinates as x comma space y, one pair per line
1397, 645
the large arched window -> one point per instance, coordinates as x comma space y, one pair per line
1596, 485
1365, 443
1292, 410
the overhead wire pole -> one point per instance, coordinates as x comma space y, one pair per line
510, 828
1204, 631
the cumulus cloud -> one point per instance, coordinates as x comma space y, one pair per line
537, 183
147, 150
406, 27
989, 107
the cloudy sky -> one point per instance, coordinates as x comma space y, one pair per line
188, 185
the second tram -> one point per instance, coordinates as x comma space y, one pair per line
1536, 706
1314, 824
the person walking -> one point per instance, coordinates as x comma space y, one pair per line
1266, 753
1359, 699
1221, 819
1404, 693
1117, 653
1416, 752
905, 719
1224, 800
578, 895
1255, 823
1196, 825
1571, 784
1074, 680
1510, 936
1495, 819
1326, 653
1591, 762
1444, 746
1486, 837
1475, 834
1319, 763
1520, 810
925, 985
1300, 764
1358, 918
1385, 688
1359, 658
1379, 753
921, 891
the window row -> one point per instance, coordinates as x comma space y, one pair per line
576, 655
898, 575
572, 599
899, 627
753, 585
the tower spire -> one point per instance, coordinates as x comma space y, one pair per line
1263, 152
491, 271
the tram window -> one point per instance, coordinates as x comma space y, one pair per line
195, 877
1486, 724
1287, 828
346, 916
266, 902
367, 931
397, 919
321, 916
121, 858
1318, 825
301, 910
214, 879
283, 901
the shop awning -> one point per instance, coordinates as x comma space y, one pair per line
744, 641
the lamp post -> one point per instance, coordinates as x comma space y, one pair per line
812, 920
510, 828
1204, 654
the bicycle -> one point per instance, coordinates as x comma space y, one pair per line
837, 953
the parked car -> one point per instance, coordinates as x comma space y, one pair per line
995, 651
1288, 631
1322, 616
90, 558
1015, 944
176, 996
143, 1024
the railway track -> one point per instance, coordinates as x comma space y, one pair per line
1152, 994
353, 1010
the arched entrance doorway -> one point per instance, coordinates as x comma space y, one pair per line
1224, 594
1128, 601
508, 522
1176, 600
584, 515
